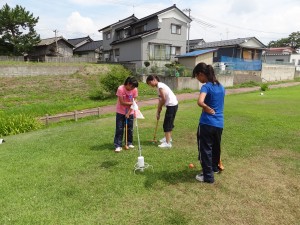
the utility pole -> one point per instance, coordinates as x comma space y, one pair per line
188, 26
56, 31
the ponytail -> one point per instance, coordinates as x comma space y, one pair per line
207, 70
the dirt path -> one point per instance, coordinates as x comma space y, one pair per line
185, 96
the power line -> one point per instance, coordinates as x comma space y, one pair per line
244, 28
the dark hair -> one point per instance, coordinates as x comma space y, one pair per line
207, 70
132, 81
151, 78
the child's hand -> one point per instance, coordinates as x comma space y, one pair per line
209, 110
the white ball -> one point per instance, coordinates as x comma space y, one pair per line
261, 93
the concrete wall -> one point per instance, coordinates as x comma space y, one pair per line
179, 83
246, 76
277, 72
37, 70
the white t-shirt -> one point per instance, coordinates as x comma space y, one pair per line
171, 99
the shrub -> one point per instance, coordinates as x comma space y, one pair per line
113, 79
146, 63
16, 124
264, 87
249, 84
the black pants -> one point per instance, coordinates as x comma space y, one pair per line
209, 147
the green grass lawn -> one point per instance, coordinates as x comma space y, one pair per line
70, 174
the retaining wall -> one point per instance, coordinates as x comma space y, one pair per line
272, 72
179, 83
32, 70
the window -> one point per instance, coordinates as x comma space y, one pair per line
107, 35
140, 29
175, 29
117, 52
175, 50
159, 52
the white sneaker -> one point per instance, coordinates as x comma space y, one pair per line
131, 146
164, 140
165, 145
200, 177
118, 149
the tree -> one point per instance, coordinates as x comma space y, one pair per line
293, 41
17, 30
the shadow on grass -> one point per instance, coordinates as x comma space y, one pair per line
183, 176
109, 164
103, 147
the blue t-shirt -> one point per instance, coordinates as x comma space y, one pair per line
214, 99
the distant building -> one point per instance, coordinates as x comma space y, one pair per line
191, 59
156, 38
242, 48
280, 55
192, 43
56, 47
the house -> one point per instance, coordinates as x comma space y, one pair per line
56, 46
156, 38
280, 55
91, 49
191, 59
243, 48
77, 42
238, 54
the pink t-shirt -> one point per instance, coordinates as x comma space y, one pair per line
127, 97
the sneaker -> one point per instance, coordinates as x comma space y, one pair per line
164, 140
165, 145
118, 149
217, 171
200, 177
131, 146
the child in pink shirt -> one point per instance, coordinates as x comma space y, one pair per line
126, 93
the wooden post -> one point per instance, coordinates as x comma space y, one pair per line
47, 119
75, 116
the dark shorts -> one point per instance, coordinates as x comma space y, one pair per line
169, 118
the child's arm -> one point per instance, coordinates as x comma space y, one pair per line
161, 102
202, 104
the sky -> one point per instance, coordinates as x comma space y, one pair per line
213, 20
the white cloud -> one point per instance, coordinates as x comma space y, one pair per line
80, 25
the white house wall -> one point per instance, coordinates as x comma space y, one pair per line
251, 43
296, 59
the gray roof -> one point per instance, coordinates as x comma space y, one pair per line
232, 42
147, 17
195, 41
162, 11
75, 41
49, 41
148, 32
90, 46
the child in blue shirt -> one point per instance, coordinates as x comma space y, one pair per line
209, 133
